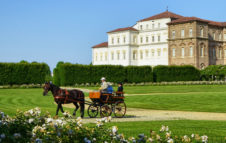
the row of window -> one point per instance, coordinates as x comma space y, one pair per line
143, 39
182, 34
202, 52
122, 55
149, 26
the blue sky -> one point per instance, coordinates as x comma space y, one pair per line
65, 30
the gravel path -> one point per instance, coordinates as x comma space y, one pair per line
153, 115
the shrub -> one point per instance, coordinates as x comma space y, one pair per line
23, 73
31, 126
175, 73
214, 72
139, 74
71, 74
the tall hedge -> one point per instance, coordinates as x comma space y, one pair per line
70, 74
176, 73
139, 74
23, 73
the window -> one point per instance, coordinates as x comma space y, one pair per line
220, 37
202, 51
112, 55
153, 26
191, 51
214, 36
141, 39
158, 25
141, 55
182, 52
147, 26
220, 53
182, 33
153, 38
147, 39
225, 36
225, 53
112, 40
153, 53
134, 55
124, 55
173, 34
118, 55
190, 32
118, 40
96, 56
124, 39
201, 32
134, 39
146, 53
159, 38
101, 56
159, 52
141, 27
174, 52
106, 56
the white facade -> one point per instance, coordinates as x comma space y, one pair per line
146, 44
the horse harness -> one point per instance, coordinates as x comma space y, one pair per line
63, 94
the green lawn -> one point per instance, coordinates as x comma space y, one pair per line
205, 102
169, 89
25, 99
216, 130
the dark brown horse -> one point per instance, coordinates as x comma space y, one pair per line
63, 96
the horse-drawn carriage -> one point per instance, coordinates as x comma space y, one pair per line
106, 103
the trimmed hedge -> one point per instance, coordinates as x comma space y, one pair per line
71, 74
139, 74
23, 73
176, 73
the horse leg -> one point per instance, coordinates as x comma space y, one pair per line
58, 107
82, 107
61, 108
76, 108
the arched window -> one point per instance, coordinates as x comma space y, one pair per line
201, 32
135, 55
141, 54
174, 52
202, 51
182, 52
191, 51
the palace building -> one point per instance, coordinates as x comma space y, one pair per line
164, 39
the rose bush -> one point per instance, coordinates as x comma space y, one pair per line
31, 126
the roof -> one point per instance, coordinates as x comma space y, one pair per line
101, 45
123, 29
165, 14
190, 19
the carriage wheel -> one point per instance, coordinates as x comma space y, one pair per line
105, 110
120, 109
93, 110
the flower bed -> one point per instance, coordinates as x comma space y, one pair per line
31, 126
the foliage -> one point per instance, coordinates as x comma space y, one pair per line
214, 72
71, 74
139, 74
176, 73
31, 126
23, 73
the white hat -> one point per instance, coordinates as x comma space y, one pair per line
103, 78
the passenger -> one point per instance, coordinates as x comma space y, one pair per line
104, 85
120, 89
